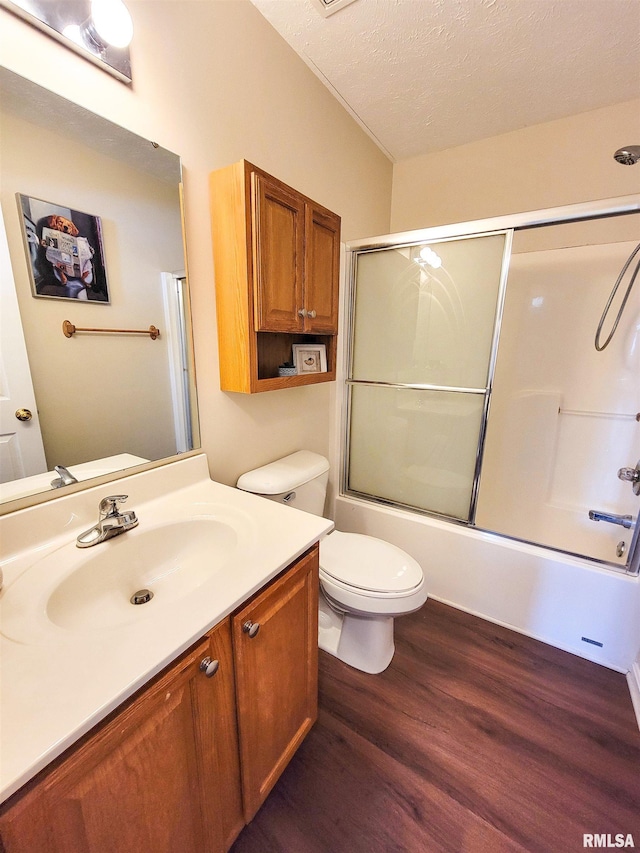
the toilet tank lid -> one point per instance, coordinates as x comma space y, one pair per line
284, 474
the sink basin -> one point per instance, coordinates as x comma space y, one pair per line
91, 589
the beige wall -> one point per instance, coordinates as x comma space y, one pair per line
215, 83
560, 162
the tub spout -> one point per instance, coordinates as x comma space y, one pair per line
625, 520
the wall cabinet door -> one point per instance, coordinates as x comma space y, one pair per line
276, 676
322, 271
296, 249
278, 246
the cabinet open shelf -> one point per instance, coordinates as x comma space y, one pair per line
274, 349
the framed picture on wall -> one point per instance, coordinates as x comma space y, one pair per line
64, 249
310, 358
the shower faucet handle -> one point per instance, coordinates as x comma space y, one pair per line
631, 475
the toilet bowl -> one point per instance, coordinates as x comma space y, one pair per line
365, 583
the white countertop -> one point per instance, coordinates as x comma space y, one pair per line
56, 684
37, 483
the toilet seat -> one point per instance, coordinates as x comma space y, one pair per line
398, 577
372, 566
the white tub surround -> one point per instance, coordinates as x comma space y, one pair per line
633, 678
549, 596
57, 683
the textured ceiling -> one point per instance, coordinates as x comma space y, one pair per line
423, 75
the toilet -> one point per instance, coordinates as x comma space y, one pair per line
364, 582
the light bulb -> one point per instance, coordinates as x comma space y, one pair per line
73, 33
112, 22
428, 256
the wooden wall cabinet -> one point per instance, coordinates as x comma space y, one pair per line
163, 773
277, 260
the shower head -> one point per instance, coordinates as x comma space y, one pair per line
628, 156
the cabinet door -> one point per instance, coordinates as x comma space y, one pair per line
138, 784
322, 271
24, 827
217, 738
276, 677
278, 247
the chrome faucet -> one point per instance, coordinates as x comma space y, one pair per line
64, 478
111, 522
626, 521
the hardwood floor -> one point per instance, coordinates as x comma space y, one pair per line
474, 739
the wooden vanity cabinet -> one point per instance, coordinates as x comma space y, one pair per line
162, 773
276, 676
276, 257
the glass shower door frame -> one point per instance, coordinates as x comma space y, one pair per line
585, 211
485, 392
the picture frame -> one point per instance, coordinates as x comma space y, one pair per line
310, 358
64, 250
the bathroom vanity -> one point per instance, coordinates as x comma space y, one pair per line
162, 730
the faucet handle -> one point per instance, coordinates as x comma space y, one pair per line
109, 506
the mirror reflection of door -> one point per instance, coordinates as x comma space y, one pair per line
21, 448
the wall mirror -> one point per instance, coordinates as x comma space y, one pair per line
109, 396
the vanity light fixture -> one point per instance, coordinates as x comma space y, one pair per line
111, 22
100, 30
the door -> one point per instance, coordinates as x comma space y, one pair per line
278, 250
424, 338
275, 641
322, 271
21, 447
135, 786
564, 416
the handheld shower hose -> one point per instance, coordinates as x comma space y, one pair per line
634, 275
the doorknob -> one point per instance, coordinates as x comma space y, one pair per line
632, 475
23, 414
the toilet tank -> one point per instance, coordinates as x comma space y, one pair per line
298, 480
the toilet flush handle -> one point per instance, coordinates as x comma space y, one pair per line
288, 497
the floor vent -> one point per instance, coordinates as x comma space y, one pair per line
593, 642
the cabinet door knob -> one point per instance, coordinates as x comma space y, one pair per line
251, 628
311, 315
302, 313
209, 667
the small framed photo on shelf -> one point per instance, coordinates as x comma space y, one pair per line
310, 358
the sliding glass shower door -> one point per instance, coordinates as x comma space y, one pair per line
424, 339
525, 438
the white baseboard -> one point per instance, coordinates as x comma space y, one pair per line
633, 679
